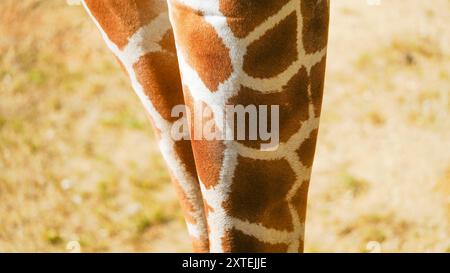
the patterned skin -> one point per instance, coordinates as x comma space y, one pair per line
229, 52
139, 34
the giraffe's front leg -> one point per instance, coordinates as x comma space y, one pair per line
252, 54
139, 34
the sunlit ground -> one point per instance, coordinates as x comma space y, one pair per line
79, 168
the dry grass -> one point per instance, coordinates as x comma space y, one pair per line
79, 166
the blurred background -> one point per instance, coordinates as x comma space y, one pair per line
80, 171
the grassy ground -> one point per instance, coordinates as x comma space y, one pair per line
79, 169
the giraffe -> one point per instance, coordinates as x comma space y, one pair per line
236, 196
140, 36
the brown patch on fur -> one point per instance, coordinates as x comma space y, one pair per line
307, 149
183, 149
185, 203
299, 201
301, 246
121, 19
315, 24
159, 76
274, 51
317, 85
200, 246
168, 43
293, 106
208, 154
236, 241
202, 48
208, 157
258, 192
244, 15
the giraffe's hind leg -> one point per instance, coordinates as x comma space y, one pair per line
253, 53
139, 34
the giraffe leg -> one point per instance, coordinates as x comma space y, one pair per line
253, 52
139, 34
